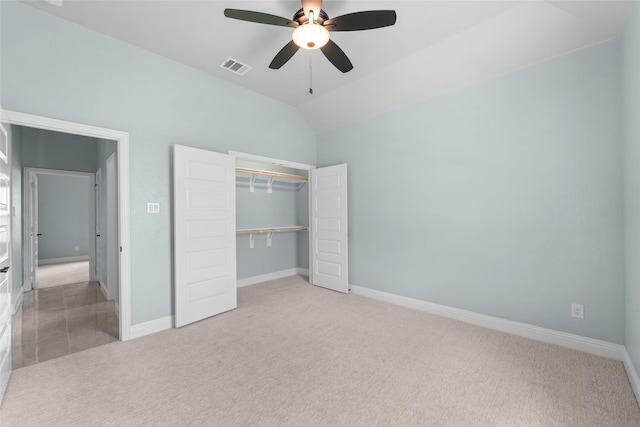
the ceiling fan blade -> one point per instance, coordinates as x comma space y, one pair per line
315, 5
336, 56
367, 20
259, 17
284, 55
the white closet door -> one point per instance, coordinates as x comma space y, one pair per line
204, 234
329, 251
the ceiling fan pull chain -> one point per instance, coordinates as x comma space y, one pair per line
310, 73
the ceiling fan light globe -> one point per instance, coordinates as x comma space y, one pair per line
310, 36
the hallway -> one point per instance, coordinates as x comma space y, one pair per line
64, 273
60, 320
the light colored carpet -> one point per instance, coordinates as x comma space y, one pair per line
66, 273
293, 354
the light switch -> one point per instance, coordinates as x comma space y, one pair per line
153, 208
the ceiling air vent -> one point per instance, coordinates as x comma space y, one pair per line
235, 67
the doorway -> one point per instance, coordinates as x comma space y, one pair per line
59, 220
65, 309
123, 233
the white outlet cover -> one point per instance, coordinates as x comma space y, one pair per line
153, 208
577, 310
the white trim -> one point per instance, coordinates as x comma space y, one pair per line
111, 225
151, 327
15, 307
632, 374
103, 289
27, 216
262, 159
61, 260
575, 342
163, 323
122, 140
271, 276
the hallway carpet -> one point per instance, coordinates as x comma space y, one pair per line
295, 355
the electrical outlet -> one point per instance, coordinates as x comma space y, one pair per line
77, 248
577, 310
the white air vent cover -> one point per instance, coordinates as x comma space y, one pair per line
235, 67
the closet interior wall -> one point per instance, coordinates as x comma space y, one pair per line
286, 205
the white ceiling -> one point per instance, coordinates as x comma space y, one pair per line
435, 46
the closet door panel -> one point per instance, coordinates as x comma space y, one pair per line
204, 234
329, 251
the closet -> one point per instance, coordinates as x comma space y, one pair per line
235, 213
272, 219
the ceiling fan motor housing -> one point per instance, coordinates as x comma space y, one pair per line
300, 17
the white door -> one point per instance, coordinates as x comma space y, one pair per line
329, 251
5, 283
34, 234
204, 192
98, 231
113, 266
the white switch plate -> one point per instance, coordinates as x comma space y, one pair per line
153, 208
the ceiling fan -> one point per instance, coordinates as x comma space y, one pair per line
312, 27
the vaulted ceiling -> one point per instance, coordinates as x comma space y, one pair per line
434, 47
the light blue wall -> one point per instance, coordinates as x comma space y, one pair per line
55, 150
503, 198
63, 216
57, 69
302, 238
631, 86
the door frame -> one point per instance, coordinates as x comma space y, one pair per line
112, 247
122, 141
27, 212
97, 232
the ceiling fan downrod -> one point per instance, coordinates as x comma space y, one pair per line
310, 74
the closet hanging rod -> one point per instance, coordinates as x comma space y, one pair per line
269, 230
272, 174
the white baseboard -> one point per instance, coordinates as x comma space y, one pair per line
15, 307
103, 288
271, 276
151, 327
632, 374
66, 259
163, 323
576, 342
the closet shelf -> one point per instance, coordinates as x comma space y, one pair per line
268, 231
270, 177
271, 174
241, 231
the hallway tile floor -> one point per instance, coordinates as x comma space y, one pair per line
57, 321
